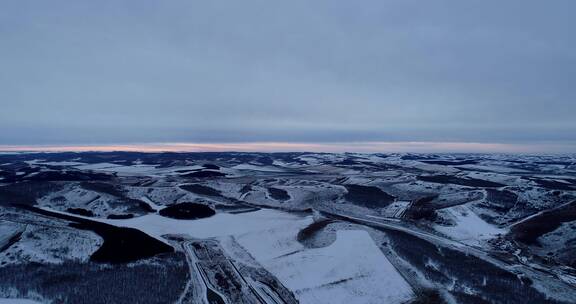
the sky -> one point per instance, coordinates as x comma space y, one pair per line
109, 72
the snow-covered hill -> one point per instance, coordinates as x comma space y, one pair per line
288, 227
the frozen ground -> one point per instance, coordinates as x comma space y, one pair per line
351, 270
222, 224
469, 228
17, 301
430, 228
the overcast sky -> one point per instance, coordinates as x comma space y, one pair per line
287, 71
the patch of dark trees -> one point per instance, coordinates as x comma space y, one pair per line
450, 163
16, 172
501, 200
531, 229
347, 162
213, 297
309, 231
187, 211
368, 196
461, 272
418, 157
27, 193
21, 172
146, 207
81, 211
121, 245
203, 174
469, 182
211, 166
108, 188
201, 190
287, 157
551, 184
245, 189
69, 175
428, 296
360, 164
158, 280
134, 205
422, 209
559, 163
13, 240
162, 160
265, 160
278, 194
120, 216
238, 208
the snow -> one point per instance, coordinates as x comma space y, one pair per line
151, 203
257, 168
350, 270
498, 169
52, 245
175, 169
158, 195
17, 301
396, 209
221, 224
61, 163
120, 169
433, 167
311, 160
470, 228
98, 166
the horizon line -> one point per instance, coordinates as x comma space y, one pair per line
328, 147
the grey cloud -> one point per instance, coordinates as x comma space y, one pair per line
122, 71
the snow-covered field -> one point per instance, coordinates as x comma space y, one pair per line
469, 228
257, 168
17, 301
119, 169
291, 225
351, 270
52, 245
222, 224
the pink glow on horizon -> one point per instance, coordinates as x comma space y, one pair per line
362, 147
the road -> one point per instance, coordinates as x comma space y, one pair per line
198, 285
199, 289
211, 296
520, 269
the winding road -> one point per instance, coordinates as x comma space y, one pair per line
198, 286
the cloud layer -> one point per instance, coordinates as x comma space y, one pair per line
291, 71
